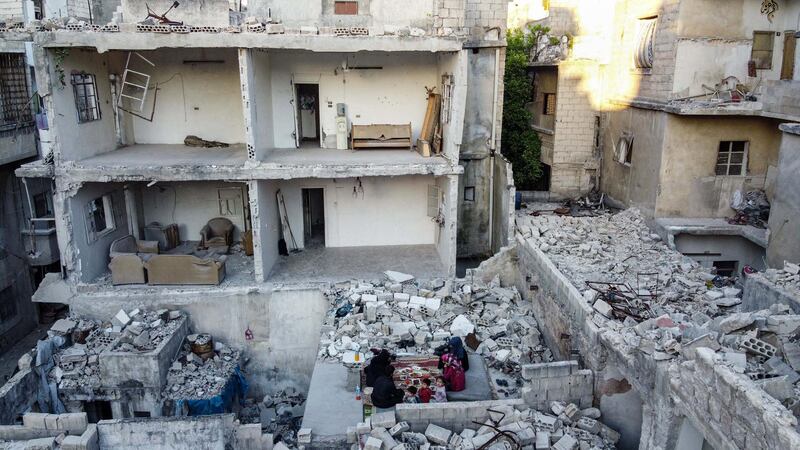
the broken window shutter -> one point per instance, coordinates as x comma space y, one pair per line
433, 200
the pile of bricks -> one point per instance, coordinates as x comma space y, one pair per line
685, 306
192, 376
403, 315
561, 427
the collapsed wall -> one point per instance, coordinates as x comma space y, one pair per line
634, 359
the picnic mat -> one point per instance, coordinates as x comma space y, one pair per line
409, 371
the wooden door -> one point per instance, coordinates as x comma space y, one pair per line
789, 47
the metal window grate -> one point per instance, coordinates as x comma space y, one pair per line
86, 101
732, 158
549, 106
14, 95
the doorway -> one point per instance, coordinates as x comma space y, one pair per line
314, 217
308, 120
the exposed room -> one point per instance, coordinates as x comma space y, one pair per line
323, 228
183, 233
175, 105
329, 101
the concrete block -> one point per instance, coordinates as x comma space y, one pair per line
383, 420
373, 444
437, 434
567, 442
363, 428
40, 444
71, 443
542, 440
51, 422
73, 422
401, 427
34, 420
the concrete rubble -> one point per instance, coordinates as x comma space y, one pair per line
563, 427
787, 278
77, 361
665, 304
195, 377
415, 317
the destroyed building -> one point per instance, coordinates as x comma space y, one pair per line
680, 109
247, 201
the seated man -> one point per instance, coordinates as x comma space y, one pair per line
384, 393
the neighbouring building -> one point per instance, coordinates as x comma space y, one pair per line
28, 248
674, 107
210, 164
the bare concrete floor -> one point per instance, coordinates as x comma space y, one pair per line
169, 155
364, 263
333, 157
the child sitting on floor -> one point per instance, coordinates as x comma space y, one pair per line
439, 391
425, 393
411, 395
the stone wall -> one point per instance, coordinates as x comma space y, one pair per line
560, 381
729, 409
759, 293
784, 218
450, 415
178, 433
573, 162
620, 370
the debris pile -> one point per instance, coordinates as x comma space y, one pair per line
281, 414
666, 305
787, 278
415, 318
202, 369
751, 209
82, 340
563, 427
144, 330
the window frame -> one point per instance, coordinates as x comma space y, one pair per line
624, 149
87, 102
471, 197
107, 202
765, 60
546, 103
345, 4
728, 163
644, 50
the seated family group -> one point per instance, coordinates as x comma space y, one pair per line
453, 362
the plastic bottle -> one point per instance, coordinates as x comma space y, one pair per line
358, 392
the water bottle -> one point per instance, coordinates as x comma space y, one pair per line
358, 392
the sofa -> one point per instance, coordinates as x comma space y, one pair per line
185, 269
128, 256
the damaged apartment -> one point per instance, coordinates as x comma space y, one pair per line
292, 225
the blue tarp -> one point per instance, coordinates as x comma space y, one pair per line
236, 386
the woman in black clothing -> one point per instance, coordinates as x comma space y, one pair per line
384, 393
377, 366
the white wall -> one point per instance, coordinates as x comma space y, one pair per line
379, 12
197, 13
394, 94
202, 99
93, 256
82, 140
455, 64
266, 226
692, 69
392, 211
189, 204
446, 235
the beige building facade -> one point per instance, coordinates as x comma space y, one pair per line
670, 106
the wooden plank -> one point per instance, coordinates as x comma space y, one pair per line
423, 148
789, 48
431, 117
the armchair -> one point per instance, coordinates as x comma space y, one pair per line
218, 232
